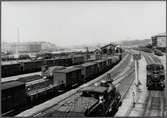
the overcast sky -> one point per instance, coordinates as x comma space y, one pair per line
74, 23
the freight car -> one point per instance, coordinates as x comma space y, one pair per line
155, 76
32, 66
88, 70
78, 59
69, 77
35, 66
12, 96
102, 65
10, 69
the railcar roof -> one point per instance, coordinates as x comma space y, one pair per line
78, 55
52, 68
9, 63
99, 61
88, 64
11, 84
68, 69
29, 78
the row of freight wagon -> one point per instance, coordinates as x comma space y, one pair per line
54, 80
34, 66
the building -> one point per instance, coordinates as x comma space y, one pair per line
159, 41
28, 47
108, 49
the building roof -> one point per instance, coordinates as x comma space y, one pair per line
160, 34
111, 44
11, 84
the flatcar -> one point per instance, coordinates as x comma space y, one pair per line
155, 76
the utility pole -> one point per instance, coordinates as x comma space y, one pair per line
87, 53
17, 44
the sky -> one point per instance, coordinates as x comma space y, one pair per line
67, 23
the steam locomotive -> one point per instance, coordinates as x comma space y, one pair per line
155, 76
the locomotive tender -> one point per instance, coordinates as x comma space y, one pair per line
100, 100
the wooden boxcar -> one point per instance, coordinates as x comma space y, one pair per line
69, 77
89, 70
78, 59
32, 66
10, 69
13, 96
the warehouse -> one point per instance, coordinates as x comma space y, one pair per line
159, 41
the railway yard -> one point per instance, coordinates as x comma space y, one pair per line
69, 100
83, 59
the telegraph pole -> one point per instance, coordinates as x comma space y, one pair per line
87, 53
18, 40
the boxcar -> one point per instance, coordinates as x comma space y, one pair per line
101, 65
32, 66
109, 62
13, 96
115, 60
11, 69
78, 59
50, 62
69, 77
89, 70
67, 62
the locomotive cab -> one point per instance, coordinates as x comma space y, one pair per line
155, 76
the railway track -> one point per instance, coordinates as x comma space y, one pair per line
155, 101
119, 74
